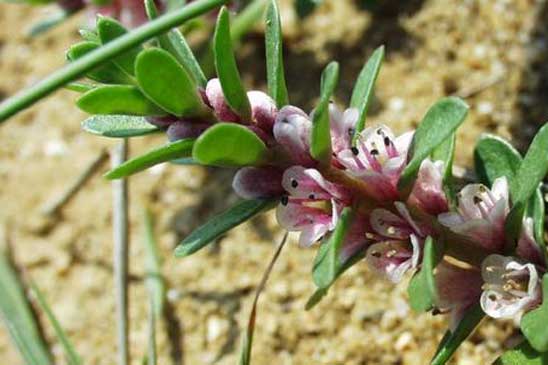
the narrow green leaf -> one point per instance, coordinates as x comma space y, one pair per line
247, 341
441, 120
446, 152
167, 83
328, 261
229, 144
168, 152
118, 126
533, 323
452, 339
71, 355
363, 90
320, 146
422, 288
274, 56
227, 70
117, 99
522, 354
108, 73
221, 224
18, 318
175, 43
154, 279
531, 172
494, 157
109, 29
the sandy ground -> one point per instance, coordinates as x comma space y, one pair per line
491, 52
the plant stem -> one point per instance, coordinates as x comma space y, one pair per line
78, 68
121, 243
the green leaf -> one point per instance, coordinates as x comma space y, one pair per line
229, 144
117, 99
328, 261
531, 172
247, 341
154, 279
274, 56
441, 120
71, 355
452, 339
227, 70
18, 318
167, 83
522, 354
320, 145
363, 90
175, 43
168, 152
446, 152
109, 29
221, 224
118, 126
533, 323
422, 288
89, 35
494, 157
108, 73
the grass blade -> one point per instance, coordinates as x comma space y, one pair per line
71, 355
247, 342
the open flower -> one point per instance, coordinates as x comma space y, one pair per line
511, 287
378, 159
398, 242
481, 214
342, 126
313, 205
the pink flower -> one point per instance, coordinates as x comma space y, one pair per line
427, 193
511, 286
481, 214
458, 289
398, 242
258, 182
342, 126
313, 205
378, 159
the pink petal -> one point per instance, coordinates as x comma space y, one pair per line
292, 130
427, 193
310, 184
312, 222
263, 110
390, 259
390, 225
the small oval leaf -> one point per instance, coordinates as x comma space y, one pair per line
422, 288
227, 144
227, 70
117, 99
494, 157
221, 224
109, 29
108, 73
167, 83
168, 152
522, 354
118, 126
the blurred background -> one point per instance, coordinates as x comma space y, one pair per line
492, 53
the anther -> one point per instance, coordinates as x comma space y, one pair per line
355, 151
374, 152
391, 253
376, 254
386, 141
391, 230
294, 183
477, 199
284, 200
312, 196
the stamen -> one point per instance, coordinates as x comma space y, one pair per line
294, 183
355, 151
387, 141
477, 199
492, 297
490, 269
376, 254
312, 196
391, 253
374, 152
284, 200
369, 236
391, 230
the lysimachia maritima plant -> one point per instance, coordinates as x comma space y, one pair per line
357, 192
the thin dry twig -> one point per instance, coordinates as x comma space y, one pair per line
54, 206
121, 253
